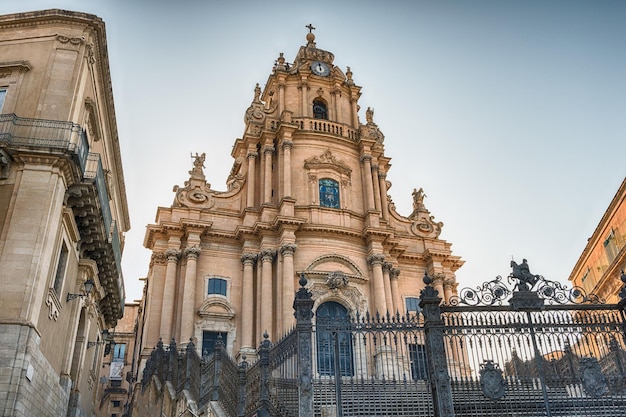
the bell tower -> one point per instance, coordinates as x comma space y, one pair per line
307, 194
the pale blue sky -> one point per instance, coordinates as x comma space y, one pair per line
510, 114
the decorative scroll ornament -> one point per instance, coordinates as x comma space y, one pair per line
256, 113
336, 280
522, 281
197, 192
423, 224
491, 380
594, 382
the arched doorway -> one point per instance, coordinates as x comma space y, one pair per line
334, 341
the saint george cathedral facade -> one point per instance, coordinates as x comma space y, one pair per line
307, 195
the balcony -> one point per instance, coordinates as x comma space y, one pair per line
327, 127
87, 196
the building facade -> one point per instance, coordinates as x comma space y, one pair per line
602, 262
116, 373
307, 194
63, 212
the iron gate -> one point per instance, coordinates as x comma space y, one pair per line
540, 349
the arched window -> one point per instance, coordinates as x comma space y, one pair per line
319, 110
329, 193
334, 343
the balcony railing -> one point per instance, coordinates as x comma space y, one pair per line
327, 127
67, 138
39, 133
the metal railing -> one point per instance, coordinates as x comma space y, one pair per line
527, 358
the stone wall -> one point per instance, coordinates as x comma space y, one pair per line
28, 384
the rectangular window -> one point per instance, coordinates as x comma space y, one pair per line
119, 351
413, 304
58, 278
209, 339
217, 286
3, 94
586, 281
419, 367
610, 247
116, 403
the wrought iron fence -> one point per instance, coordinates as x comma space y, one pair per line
516, 352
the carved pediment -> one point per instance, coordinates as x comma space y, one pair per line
328, 268
328, 160
216, 307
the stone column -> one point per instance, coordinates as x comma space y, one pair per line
382, 179
387, 267
267, 181
287, 250
247, 301
154, 298
449, 285
378, 287
287, 144
267, 307
376, 184
169, 291
366, 170
251, 177
189, 297
395, 293
438, 284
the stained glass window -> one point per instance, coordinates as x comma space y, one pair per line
329, 193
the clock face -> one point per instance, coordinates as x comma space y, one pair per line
320, 68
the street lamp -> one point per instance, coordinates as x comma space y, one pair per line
88, 288
106, 338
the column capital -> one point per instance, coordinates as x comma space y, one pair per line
288, 249
249, 258
252, 155
267, 255
173, 255
387, 266
268, 150
376, 259
382, 175
450, 283
366, 158
287, 144
192, 252
159, 258
394, 273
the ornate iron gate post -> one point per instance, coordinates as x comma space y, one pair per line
303, 306
435, 351
264, 362
217, 356
241, 398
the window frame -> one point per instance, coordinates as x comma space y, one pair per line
417, 308
223, 283
61, 269
323, 196
3, 96
317, 103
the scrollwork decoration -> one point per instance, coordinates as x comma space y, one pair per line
497, 291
